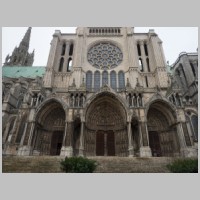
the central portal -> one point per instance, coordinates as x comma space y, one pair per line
105, 143
106, 127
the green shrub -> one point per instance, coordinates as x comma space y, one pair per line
184, 166
78, 165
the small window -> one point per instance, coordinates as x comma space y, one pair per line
61, 64
138, 49
71, 49
148, 67
145, 49
63, 49
146, 79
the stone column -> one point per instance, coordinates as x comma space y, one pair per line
67, 149
136, 100
145, 150
142, 100
109, 84
132, 99
81, 147
64, 137
23, 136
130, 141
105, 145
78, 101
37, 100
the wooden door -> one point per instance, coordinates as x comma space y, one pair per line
110, 143
105, 143
100, 143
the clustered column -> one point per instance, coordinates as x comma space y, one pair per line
145, 150
130, 140
81, 147
67, 149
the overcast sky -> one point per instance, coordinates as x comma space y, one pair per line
175, 40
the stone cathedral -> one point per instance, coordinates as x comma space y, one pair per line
106, 91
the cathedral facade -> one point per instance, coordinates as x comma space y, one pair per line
106, 91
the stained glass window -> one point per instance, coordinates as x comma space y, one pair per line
96, 80
121, 80
104, 78
105, 56
113, 82
89, 80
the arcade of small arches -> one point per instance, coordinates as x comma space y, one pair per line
102, 31
104, 128
135, 100
77, 99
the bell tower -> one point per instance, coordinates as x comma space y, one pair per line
20, 55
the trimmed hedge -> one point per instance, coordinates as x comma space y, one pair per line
184, 166
78, 165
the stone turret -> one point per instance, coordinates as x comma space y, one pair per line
20, 55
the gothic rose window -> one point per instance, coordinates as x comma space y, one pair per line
105, 56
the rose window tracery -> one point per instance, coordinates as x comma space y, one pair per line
105, 56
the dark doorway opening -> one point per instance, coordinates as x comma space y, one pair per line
154, 143
56, 142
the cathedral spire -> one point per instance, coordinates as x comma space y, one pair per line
26, 39
20, 55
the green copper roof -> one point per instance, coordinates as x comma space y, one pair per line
27, 72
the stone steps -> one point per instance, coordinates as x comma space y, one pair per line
51, 164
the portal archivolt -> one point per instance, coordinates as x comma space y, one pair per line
49, 130
163, 139
106, 131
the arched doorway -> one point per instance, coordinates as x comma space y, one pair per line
49, 131
106, 131
163, 138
